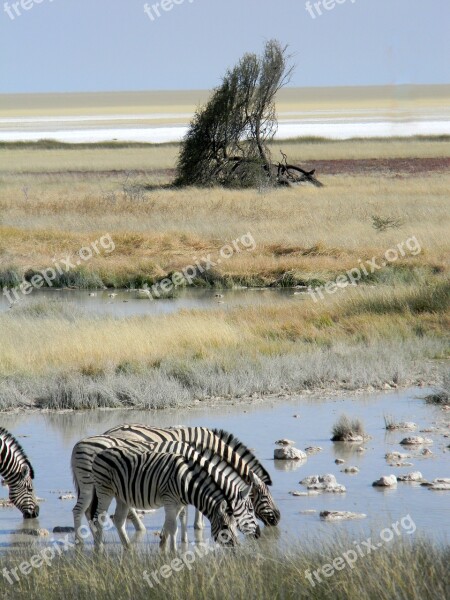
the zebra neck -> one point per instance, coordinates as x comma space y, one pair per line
11, 461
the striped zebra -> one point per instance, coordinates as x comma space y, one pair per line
16, 470
221, 442
137, 476
225, 445
85, 451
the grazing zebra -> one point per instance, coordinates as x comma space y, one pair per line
137, 476
83, 456
16, 470
225, 445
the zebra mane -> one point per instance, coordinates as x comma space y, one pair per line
243, 451
7, 436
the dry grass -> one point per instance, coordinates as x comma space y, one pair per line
416, 571
14, 159
313, 233
51, 343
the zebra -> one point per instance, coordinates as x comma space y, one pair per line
83, 456
16, 470
137, 476
224, 444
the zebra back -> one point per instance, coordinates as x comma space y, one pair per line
223, 443
12, 455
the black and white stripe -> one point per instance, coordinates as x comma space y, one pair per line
137, 476
16, 470
227, 446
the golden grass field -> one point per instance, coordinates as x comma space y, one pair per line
53, 202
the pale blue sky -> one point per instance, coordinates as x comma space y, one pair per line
101, 45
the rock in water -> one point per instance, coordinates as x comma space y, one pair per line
289, 453
340, 515
284, 442
414, 476
415, 440
386, 481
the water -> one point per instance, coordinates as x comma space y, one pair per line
51, 436
338, 129
126, 303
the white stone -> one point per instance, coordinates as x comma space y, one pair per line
284, 442
386, 481
340, 515
289, 453
350, 470
415, 440
414, 476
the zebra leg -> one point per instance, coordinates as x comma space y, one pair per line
101, 516
137, 522
170, 528
199, 522
81, 507
120, 519
183, 523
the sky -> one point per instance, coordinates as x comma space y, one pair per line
109, 45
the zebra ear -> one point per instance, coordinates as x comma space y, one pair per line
256, 481
25, 471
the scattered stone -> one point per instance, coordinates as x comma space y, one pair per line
392, 456
340, 515
339, 461
66, 497
401, 464
327, 478
414, 476
289, 453
296, 416
426, 452
408, 425
415, 440
323, 483
311, 511
350, 470
386, 481
34, 532
442, 480
6, 503
296, 493
335, 488
284, 442
313, 449
60, 529
440, 486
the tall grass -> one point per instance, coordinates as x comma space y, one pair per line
346, 428
403, 571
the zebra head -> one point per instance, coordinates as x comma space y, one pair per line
21, 492
223, 525
244, 514
263, 503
